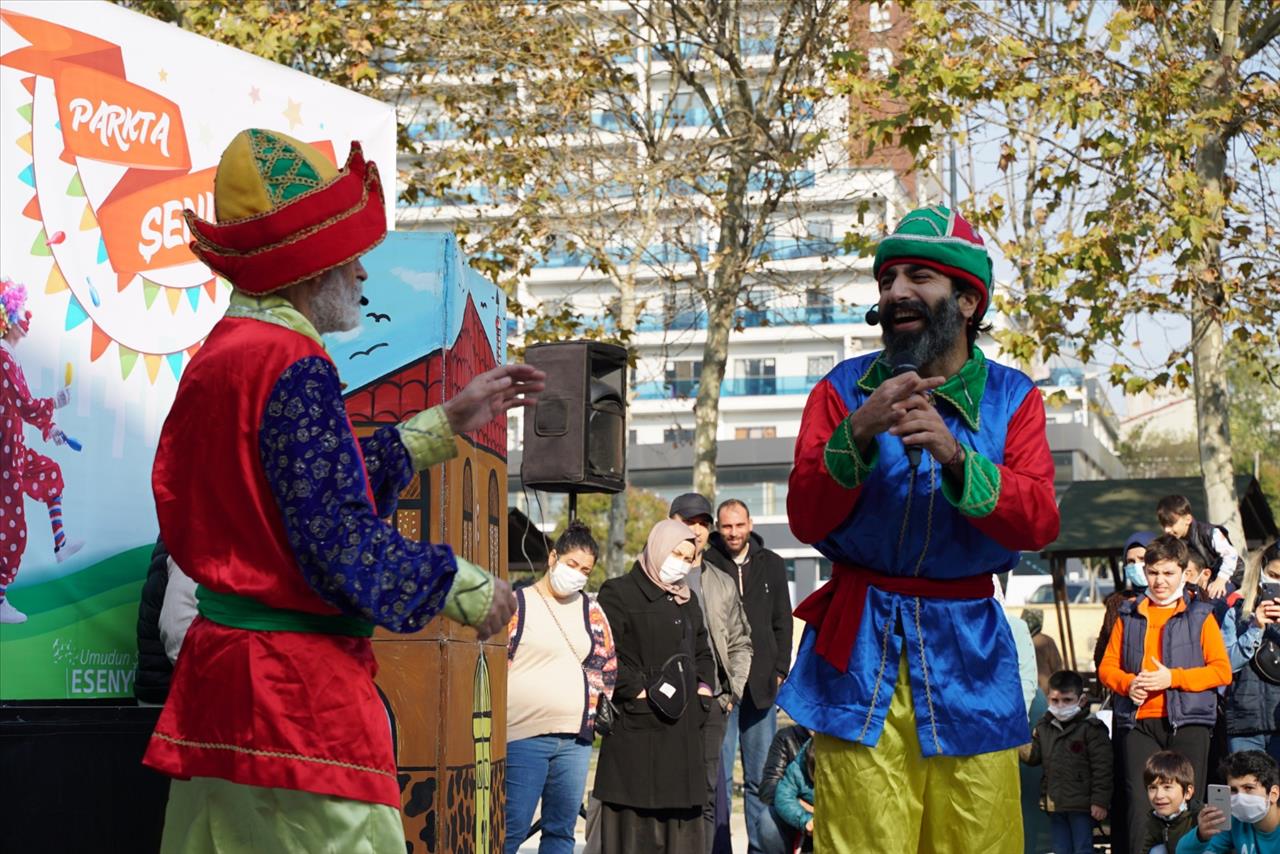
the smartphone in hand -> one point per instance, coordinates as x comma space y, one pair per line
1220, 798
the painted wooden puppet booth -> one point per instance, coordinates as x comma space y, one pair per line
108, 131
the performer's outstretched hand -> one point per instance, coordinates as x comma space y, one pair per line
504, 605
62, 398
492, 393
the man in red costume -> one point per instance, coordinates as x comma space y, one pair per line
273, 728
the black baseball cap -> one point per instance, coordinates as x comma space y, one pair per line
691, 505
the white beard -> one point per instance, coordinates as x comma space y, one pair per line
335, 306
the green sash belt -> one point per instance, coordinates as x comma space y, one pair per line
241, 612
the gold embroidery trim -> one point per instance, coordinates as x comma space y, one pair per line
928, 694
272, 754
884, 657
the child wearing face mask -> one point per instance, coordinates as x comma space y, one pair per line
560, 660
1075, 750
1171, 785
1254, 824
1164, 661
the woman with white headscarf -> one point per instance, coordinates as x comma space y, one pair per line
651, 780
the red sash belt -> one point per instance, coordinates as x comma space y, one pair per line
835, 609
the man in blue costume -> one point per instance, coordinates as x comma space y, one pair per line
907, 672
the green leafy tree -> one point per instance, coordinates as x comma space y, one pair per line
1144, 133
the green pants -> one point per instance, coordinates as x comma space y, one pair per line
207, 815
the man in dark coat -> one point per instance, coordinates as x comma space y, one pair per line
761, 577
151, 685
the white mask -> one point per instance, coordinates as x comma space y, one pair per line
1063, 713
1250, 809
673, 570
565, 580
1173, 597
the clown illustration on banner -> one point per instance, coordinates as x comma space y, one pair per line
109, 132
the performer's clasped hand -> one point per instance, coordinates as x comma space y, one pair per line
889, 405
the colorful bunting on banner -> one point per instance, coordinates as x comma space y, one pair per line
128, 358
76, 315
98, 343
152, 362
102, 250
173, 295
88, 221
28, 176
32, 210
25, 112
24, 142
41, 245
29, 83
56, 281
175, 364
149, 292
123, 280
211, 288
75, 188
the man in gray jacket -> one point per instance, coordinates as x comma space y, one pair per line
730, 637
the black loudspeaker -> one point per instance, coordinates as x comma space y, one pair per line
575, 439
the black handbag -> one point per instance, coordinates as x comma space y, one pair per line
1266, 661
676, 681
606, 715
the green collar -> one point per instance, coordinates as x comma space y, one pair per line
272, 309
963, 390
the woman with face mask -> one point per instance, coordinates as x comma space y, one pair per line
560, 658
651, 780
1253, 699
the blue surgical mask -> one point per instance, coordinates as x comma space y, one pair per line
1135, 575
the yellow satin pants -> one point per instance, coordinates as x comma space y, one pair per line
890, 799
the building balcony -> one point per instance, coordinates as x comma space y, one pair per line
799, 315
737, 387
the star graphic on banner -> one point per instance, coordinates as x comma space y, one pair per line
254, 94
293, 113
164, 76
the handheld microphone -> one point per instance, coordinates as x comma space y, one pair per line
873, 316
902, 364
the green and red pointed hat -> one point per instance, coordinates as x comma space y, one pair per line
939, 238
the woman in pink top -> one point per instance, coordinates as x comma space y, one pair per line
560, 660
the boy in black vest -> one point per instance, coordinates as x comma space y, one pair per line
1210, 541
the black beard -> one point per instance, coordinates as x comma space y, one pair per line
943, 322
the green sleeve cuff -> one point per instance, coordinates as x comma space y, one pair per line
428, 438
471, 595
978, 494
844, 460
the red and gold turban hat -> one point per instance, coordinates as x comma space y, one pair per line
285, 214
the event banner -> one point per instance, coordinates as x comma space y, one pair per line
111, 125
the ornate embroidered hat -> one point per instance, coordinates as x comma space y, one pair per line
285, 214
941, 239
13, 306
